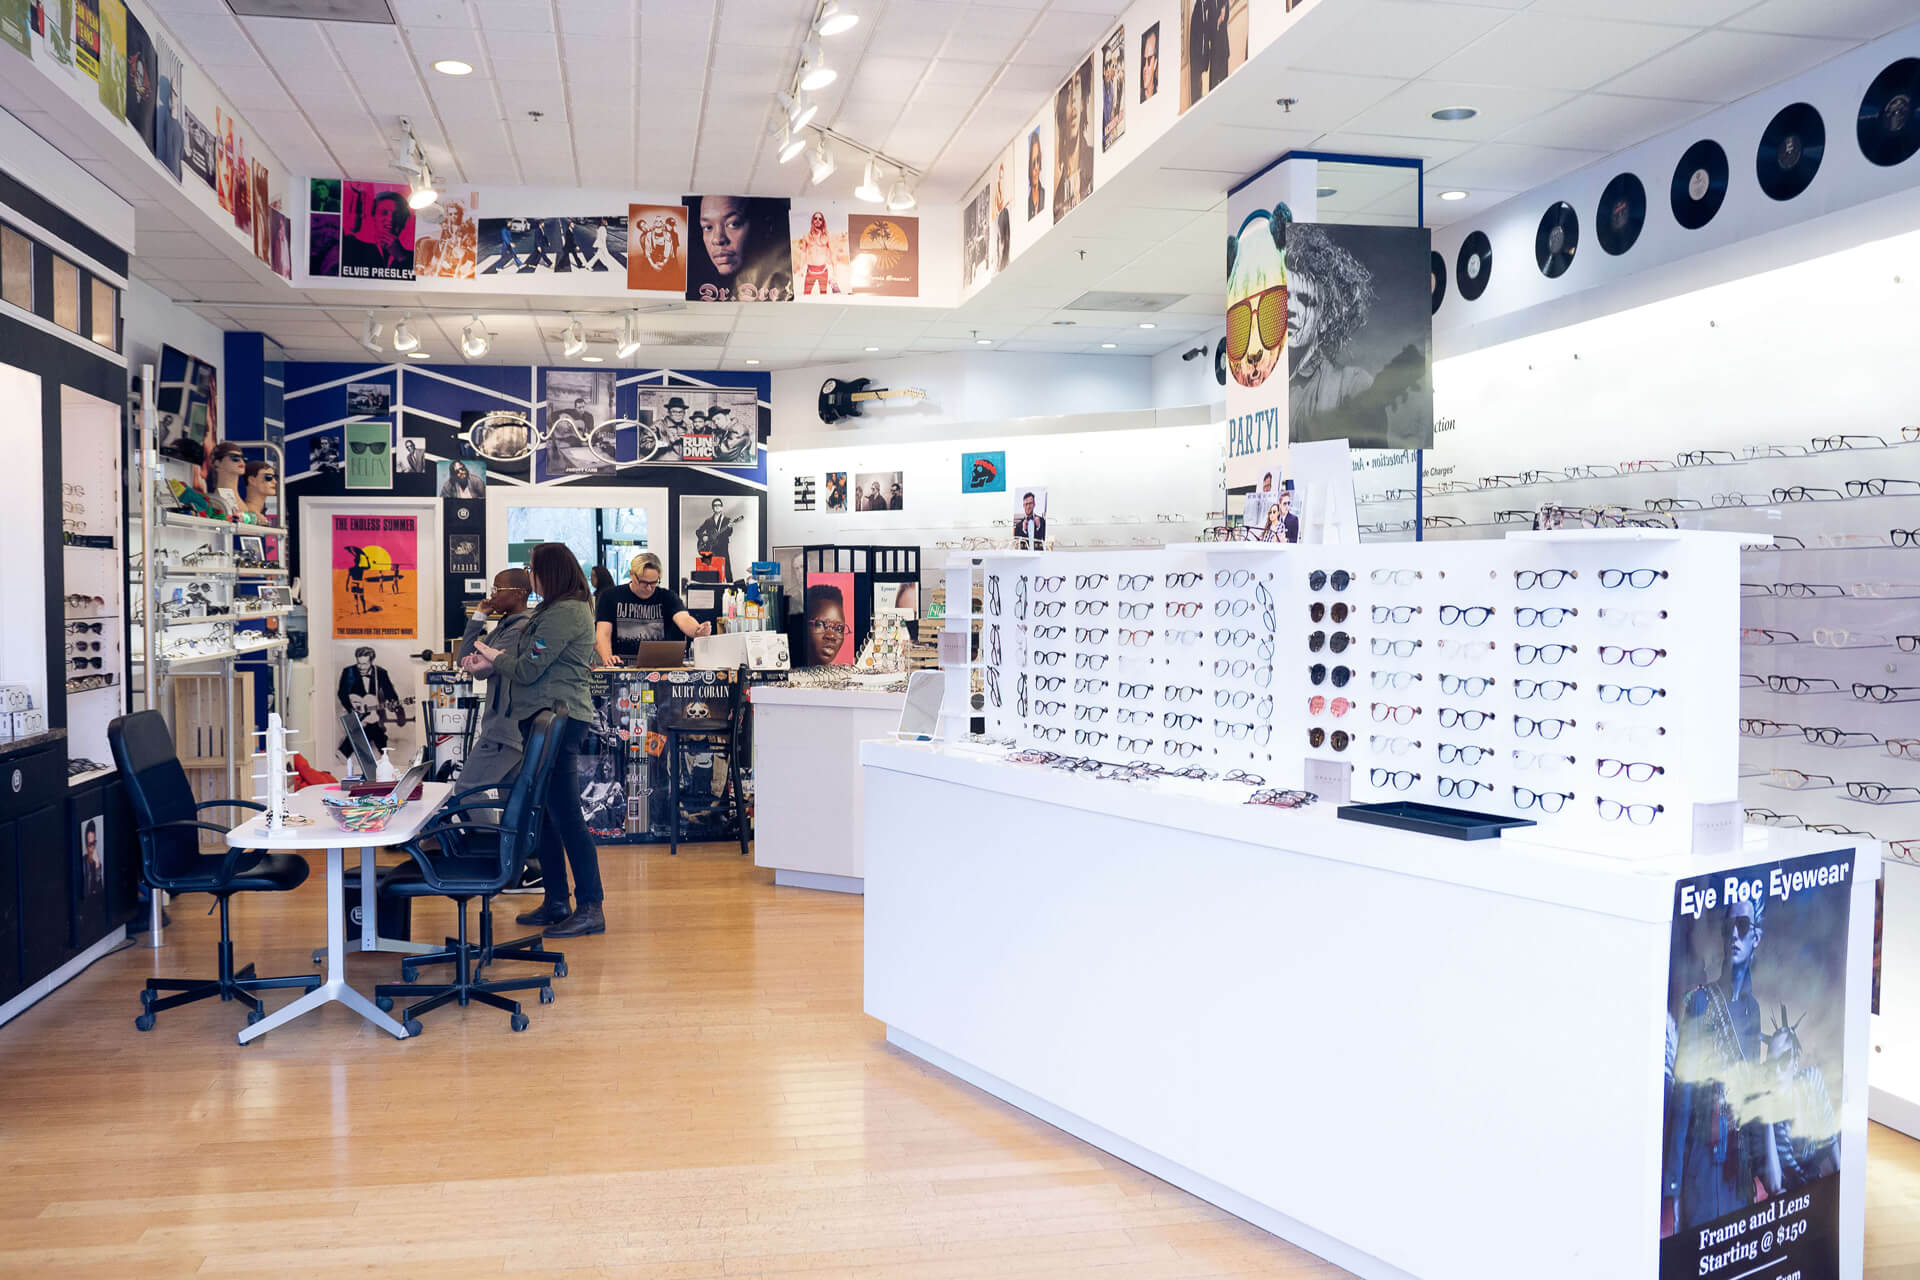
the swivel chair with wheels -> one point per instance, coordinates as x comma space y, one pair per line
171, 860
729, 735
476, 859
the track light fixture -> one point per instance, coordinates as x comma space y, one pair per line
629, 335
791, 144
370, 335
800, 112
576, 338
404, 338
821, 166
421, 189
900, 197
475, 341
815, 74
869, 188
834, 20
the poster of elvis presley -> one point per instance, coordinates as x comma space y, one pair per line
1755, 1056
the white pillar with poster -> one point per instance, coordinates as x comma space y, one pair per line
1258, 211
372, 573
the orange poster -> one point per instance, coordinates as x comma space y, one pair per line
376, 585
657, 247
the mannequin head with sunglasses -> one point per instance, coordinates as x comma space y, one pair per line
263, 483
1257, 295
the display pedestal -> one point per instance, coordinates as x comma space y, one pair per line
1412, 1056
807, 780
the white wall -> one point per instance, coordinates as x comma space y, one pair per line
153, 320
962, 387
1182, 382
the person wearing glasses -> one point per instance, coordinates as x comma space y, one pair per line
640, 609
827, 624
461, 483
1029, 530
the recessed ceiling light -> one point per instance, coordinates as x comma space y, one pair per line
1324, 192
1148, 324
1453, 195
453, 67
1456, 113
592, 359
753, 362
873, 348
1108, 346
983, 342
418, 355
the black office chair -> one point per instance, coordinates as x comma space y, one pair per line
476, 859
729, 735
170, 857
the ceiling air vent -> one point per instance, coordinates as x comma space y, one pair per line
315, 10
1110, 301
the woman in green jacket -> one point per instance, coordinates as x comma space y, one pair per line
549, 670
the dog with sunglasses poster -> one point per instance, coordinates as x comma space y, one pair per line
1755, 1055
369, 455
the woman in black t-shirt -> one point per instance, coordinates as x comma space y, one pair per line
640, 609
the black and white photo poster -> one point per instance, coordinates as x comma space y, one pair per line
975, 242
1755, 1056
1359, 335
719, 535
579, 407
707, 426
1073, 141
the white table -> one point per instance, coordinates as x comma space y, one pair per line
322, 833
806, 781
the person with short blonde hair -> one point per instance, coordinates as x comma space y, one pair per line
639, 609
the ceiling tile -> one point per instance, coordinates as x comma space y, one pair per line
1509, 165
1409, 111
1722, 66
1605, 122
1850, 19
1554, 52
515, 15
1683, 13
1401, 37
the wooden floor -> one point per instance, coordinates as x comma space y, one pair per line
704, 1099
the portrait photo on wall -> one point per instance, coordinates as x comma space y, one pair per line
1359, 335
369, 455
1215, 46
711, 426
719, 535
579, 409
805, 493
836, 491
1113, 88
819, 250
447, 238
365, 688
376, 230
523, 245
91, 882
885, 255
199, 153
369, 399
880, 490
1754, 1064
1006, 181
1036, 174
323, 226
1073, 141
460, 478
740, 250
828, 604
1269, 508
1030, 517
1150, 62
412, 458
657, 247
975, 239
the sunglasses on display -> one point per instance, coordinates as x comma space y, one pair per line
1319, 612
1318, 703
1317, 737
75, 628
1319, 674
1339, 580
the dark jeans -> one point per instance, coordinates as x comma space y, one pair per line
565, 826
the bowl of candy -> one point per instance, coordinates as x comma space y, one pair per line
361, 814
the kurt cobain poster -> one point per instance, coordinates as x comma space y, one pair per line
1755, 1062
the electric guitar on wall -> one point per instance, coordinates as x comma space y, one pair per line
842, 397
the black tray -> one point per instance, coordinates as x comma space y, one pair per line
1432, 819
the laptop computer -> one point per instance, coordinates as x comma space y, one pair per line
659, 653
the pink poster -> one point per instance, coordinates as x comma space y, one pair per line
375, 579
830, 619
376, 231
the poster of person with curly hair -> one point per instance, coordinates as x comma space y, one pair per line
1359, 335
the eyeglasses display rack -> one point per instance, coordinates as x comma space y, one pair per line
1583, 680
1829, 657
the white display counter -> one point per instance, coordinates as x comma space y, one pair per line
1411, 1056
1895, 1100
806, 781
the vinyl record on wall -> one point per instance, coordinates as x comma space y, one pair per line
1790, 151
1554, 243
1888, 131
1621, 215
1437, 272
1473, 268
1699, 184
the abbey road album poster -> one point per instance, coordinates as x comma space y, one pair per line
547, 246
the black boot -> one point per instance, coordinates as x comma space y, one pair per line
588, 919
546, 913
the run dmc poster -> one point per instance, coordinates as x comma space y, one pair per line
1756, 1040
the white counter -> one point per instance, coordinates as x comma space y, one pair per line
1412, 1056
806, 781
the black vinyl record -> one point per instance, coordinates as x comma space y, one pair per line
1889, 133
1554, 243
1474, 267
1699, 184
1621, 215
1790, 151
1437, 273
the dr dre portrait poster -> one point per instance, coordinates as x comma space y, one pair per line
1755, 1055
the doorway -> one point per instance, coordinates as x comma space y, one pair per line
372, 570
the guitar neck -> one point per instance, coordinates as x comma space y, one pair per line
884, 395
